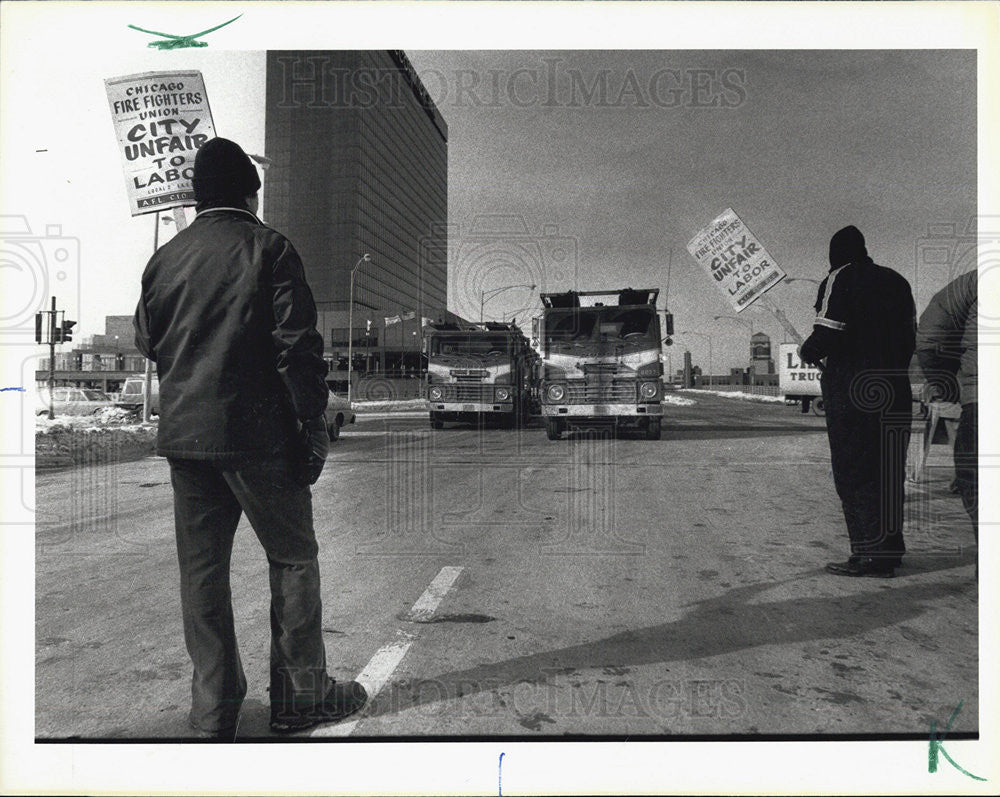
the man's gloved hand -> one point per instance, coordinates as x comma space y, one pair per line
315, 445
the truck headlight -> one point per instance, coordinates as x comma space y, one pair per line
648, 390
503, 394
556, 392
435, 394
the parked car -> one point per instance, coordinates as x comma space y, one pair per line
338, 414
131, 397
73, 401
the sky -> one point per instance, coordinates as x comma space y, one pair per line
812, 141
612, 158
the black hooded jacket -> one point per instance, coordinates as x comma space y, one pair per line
865, 316
227, 316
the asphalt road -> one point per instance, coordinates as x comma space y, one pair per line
493, 582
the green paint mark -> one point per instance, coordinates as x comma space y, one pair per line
936, 746
175, 42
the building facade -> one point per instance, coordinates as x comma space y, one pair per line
101, 361
359, 166
760, 354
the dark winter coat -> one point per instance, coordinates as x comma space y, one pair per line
227, 316
865, 324
947, 339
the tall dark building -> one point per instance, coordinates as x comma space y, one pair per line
359, 165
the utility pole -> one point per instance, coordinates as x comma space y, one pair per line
51, 332
52, 359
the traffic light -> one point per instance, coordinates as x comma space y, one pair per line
668, 323
65, 334
38, 327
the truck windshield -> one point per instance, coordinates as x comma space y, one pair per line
596, 325
470, 345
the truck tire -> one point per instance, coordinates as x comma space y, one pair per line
553, 428
333, 430
653, 429
436, 423
818, 407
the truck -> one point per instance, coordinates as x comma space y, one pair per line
601, 362
479, 372
133, 394
797, 381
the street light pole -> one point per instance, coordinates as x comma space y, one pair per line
350, 324
497, 291
804, 279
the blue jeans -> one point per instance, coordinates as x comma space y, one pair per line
209, 499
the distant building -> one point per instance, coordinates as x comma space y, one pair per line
359, 164
101, 361
760, 354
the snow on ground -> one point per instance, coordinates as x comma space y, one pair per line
678, 401
390, 405
736, 394
110, 418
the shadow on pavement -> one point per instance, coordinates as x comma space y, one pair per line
716, 626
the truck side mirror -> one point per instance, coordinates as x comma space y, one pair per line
668, 324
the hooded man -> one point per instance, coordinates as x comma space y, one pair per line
864, 334
227, 316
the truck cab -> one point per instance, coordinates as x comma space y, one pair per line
600, 360
478, 372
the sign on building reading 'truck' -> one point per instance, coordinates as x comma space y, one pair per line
735, 260
161, 119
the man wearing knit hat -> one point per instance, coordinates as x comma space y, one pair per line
865, 333
226, 314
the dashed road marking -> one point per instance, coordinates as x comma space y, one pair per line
427, 603
380, 668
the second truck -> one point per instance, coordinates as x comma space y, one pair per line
479, 372
601, 360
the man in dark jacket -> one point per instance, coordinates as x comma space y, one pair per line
946, 350
864, 334
227, 316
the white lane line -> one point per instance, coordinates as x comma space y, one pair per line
380, 668
427, 603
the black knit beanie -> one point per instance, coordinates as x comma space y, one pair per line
223, 174
847, 246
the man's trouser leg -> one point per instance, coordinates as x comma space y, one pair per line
868, 457
967, 462
206, 515
280, 511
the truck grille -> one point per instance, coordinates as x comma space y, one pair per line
599, 393
472, 393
